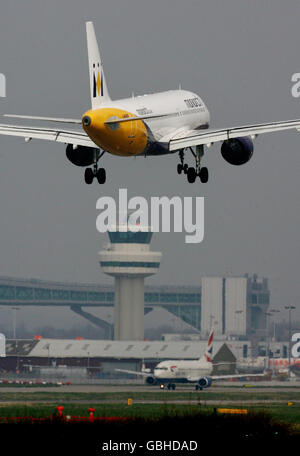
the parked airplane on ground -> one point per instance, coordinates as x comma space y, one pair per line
197, 371
168, 122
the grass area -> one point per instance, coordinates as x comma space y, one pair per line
161, 407
269, 425
280, 413
166, 396
103, 410
206, 427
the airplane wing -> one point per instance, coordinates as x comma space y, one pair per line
193, 379
48, 119
143, 374
78, 138
190, 138
224, 377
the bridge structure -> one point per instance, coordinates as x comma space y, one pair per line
185, 302
182, 301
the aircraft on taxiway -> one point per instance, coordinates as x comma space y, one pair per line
197, 371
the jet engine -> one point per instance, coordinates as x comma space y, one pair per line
150, 380
204, 382
81, 155
237, 151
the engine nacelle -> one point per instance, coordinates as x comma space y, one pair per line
80, 155
237, 151
150, 380
204, 382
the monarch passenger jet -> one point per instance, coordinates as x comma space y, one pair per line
169, 122
196, 371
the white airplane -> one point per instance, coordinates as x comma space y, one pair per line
197, 371
162, 123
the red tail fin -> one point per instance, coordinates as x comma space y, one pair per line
209, 348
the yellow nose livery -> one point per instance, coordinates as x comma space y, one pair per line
124, 138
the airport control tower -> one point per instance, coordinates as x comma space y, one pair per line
129, 260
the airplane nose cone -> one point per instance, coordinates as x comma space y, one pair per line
86, 121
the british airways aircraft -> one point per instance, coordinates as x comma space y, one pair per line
197, 372
175, 121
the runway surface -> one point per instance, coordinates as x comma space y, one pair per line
263, 387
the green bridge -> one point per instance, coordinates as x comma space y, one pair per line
184, 302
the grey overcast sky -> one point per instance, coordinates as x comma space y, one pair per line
239, 56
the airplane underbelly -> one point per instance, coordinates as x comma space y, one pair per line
173, 380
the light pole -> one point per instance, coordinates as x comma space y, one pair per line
268, 314
273, 311
290, 308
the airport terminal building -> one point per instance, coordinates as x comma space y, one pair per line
100, 359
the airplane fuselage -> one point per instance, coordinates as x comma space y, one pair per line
183, 371
179, 110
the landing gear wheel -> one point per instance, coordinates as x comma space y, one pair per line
173, 387
179, 168
185, 168
191, 175
88, 176
101, 176
203, 174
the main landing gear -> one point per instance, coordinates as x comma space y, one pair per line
99, 173
191, 172
170, 386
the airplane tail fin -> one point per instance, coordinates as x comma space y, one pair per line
99, 92
209, 349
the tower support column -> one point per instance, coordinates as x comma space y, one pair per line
129, 308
